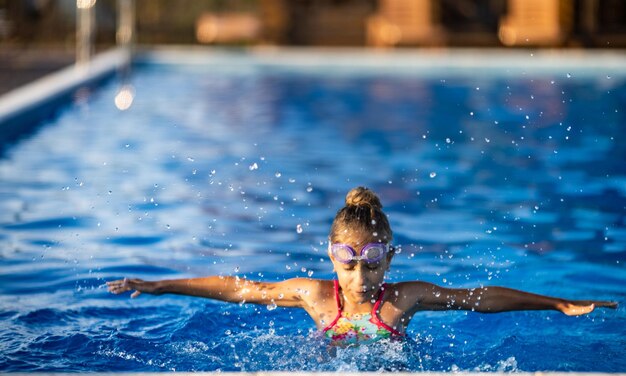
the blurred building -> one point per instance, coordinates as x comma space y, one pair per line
377, 23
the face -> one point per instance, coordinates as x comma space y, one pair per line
360, 281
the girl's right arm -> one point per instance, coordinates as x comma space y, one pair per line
287, 293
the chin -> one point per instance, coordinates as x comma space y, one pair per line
362, 298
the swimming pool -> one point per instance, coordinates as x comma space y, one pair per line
503, 177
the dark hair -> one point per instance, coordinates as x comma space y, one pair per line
362, 217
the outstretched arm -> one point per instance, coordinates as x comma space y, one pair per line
497, 299
230, 289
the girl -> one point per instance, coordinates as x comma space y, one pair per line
358, 307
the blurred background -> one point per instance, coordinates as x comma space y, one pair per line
39, 36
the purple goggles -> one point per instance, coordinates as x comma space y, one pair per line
370, 253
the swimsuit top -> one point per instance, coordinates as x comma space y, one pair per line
358, 328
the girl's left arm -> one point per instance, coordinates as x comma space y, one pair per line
498, 299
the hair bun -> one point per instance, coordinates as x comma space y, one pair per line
361, 196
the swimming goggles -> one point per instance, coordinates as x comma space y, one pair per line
370, 253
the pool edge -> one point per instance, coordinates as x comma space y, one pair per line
396, 61
47, 94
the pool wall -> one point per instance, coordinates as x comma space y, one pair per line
23, 109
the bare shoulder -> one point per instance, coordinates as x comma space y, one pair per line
307, 286
311, 292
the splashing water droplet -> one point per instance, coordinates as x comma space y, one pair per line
253, 166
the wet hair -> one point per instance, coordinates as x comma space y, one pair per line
362, 219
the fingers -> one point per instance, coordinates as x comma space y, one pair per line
612, 305
118, 287
123, 285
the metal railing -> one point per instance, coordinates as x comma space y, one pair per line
86, 22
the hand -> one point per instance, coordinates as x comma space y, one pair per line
582, 307
139, 285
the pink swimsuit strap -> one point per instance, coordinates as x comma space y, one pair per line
374, 314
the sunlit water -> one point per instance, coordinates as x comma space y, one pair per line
510, 181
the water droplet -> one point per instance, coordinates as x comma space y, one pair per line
299, 228
433, 174
272, 306
190, 159
253, 166
309, 189
448, 140
278, 174
569, 75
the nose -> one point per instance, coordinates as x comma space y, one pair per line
360, 277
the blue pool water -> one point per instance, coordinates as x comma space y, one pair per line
507, 180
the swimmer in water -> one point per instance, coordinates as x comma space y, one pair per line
359, 307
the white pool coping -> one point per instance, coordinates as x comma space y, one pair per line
421, 62
42, 90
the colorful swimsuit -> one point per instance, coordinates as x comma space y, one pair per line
359, 327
